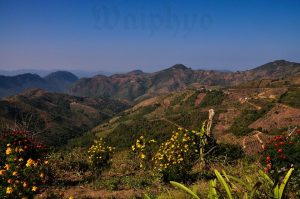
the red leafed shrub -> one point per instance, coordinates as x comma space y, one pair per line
23, 169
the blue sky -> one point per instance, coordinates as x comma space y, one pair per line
122, 35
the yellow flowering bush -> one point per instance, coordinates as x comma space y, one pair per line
175, 157
100, 155
142, 150
22, 170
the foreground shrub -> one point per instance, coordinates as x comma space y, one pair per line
281, 154
142, 150
225, 154
68, 167
176, 157
23, 171
100, 155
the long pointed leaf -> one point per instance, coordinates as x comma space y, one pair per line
184, 188
212, 194
225, 175
254, 189
266, 177
223, 182
284, 182
247, 186
276, 192
146, 196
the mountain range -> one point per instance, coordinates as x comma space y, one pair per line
43, 73
126, 105
137, 85
55, 82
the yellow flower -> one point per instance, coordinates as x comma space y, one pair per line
9, 190
7, 166
25, 184
30, 162
34, 188
15, 173
143, 156
8, 151
8, 145
2, 172
42, 175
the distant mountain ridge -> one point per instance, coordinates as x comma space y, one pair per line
137, 85
43, 73
56, 82
60, 80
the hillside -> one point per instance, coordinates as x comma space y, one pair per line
136, 86
240, 113
56, 117
56, 82
11, 85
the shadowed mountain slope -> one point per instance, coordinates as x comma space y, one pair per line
56, 82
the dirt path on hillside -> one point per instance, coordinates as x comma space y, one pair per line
165, 119
199, 99
254, 105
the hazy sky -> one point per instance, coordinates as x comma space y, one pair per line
123, 35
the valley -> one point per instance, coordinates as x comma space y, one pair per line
250, 109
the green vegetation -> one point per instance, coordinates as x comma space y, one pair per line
57, 118
212, 98
100, 155
154, 144
250, 191
291, 97
125, 134
190, 119
240, 125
